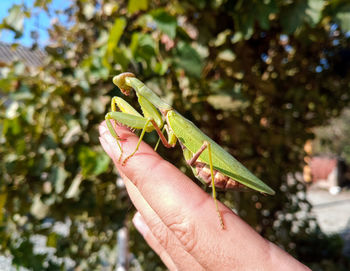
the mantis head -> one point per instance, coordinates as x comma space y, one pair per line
119, 81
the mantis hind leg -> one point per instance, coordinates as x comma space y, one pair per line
213, 185
193, 160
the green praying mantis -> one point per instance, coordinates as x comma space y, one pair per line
210, 163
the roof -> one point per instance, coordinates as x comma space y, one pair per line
33, 58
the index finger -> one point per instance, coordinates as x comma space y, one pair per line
190, 213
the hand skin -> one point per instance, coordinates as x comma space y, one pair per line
179, 220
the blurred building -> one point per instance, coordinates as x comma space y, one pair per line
328, 172
30, 57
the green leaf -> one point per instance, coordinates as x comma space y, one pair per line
343, 18
188, 59
297, 13
86, 159
121, 56
161, 67
292, 16
136, 5
3, 197
102, 163
91, 162
52, 240
165, 22
142, 47
262, 12
24, 255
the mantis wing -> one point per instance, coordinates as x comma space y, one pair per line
193, 138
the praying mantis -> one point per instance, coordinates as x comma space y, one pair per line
210, 163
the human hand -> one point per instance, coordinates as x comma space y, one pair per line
179, 220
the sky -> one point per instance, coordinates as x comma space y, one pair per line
39, 22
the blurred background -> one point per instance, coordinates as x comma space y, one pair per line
267, 80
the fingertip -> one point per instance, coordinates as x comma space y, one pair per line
110, 144
104, 145
102, 128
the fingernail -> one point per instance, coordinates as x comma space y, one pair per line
140, 224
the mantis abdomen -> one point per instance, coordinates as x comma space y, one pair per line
202, 171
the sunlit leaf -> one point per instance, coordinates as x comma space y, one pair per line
38, 208
114, 37
136, 5
227, 55
109, 8
15, 20
58, 178
73, 190
343, 17
88, 10
314, 11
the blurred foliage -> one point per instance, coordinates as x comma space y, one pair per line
334, 137
255, 76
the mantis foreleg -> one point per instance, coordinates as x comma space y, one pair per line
159, 132
124, 107
114, 134
138, 143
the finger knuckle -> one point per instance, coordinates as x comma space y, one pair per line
184, 230
161, 233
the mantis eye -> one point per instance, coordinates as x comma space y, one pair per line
119, 81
